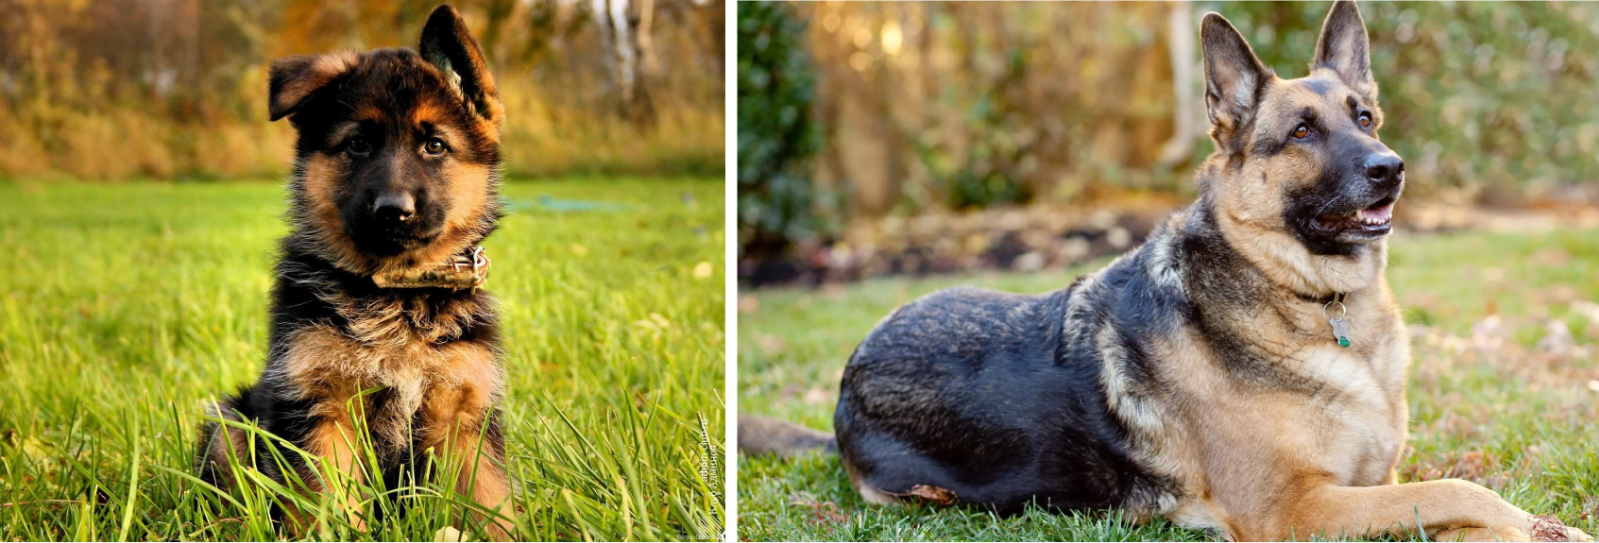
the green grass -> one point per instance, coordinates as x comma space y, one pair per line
1490, 407
123, 307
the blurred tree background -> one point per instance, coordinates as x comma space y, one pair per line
947, 107
776, 135
113, 89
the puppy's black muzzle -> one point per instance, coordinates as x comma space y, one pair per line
390, 222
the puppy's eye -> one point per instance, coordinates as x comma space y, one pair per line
1301, 131
435, 147
1365, 120
358, 146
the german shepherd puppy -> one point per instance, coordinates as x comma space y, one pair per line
1243, 371
379, 333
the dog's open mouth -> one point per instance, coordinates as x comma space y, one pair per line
1370, 222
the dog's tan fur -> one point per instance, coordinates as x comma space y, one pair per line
1321, 465
451, 386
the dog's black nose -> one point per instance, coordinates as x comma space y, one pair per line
394, 206
1385, 169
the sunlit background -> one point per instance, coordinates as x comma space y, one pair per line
177, 89
859, 121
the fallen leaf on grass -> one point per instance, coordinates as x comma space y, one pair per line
930, 493
1587, 309
1557, 338
771, 345
821, 512
817, 396
1473, 466
1550, 256
941, 496
1485, 332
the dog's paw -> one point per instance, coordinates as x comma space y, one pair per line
1497, 533
1548, 528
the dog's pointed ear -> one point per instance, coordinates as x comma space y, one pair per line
448, 45
1345, 49
295, 78
1234, 76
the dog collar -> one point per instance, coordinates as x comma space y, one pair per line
468, 269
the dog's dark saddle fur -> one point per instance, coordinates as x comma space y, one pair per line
998, 396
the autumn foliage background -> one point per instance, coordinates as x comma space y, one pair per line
177, 89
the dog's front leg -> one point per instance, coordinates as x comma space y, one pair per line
335, 470
482, 477
314, 368
1449, 508
475, 457
460, 426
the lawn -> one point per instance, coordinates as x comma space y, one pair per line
124, 306
1504, 389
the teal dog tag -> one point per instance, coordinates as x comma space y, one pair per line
1340, 331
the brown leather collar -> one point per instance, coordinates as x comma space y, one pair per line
466, 270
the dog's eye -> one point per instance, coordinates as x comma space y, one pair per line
1301, 131
1365, 120
358, 146
435, 147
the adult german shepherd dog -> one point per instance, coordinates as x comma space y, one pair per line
1243, 371
379, 332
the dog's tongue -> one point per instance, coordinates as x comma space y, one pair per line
1377, 213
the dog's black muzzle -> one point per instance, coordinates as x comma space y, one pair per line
1354, 203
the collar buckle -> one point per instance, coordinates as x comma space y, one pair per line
462, 271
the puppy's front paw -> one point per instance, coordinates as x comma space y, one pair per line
1497, 533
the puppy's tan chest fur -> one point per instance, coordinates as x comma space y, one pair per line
447, 384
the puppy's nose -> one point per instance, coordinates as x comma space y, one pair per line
394, 206
1385, 169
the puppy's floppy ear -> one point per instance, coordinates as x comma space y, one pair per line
1233, 75
447, 44
1345, 49
297, 77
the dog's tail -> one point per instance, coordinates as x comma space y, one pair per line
762, 435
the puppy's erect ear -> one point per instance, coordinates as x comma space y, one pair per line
1233, 75
447, 44
1345, 49
297, 77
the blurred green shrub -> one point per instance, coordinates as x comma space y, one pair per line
776, 135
